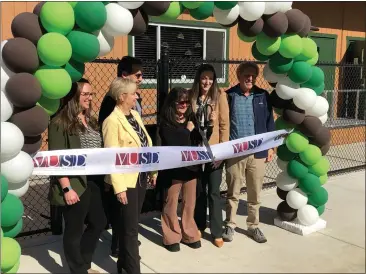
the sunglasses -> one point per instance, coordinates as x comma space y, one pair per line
181, 103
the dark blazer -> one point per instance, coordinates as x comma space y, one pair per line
58, 139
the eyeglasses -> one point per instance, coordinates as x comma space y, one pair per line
181, 103
87, 94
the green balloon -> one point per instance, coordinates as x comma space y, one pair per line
256, 54
90, 16
311, 155
204, 11
323, 179
174, 11
309, 48
309, 184
225, 5
300, 72
282, 124
54, 49
10, 254
318, 90
245, 38
15, 268
72, 4
297, 142
55, 81
14, 230
75, 69
4, 187
1, 233
318, 198
291, 45
12, 210
284, 154
57, 17
191, 5
317, 77
267, 45
85, 46
313, 60
321, 167
51, 106
320, 209
279, 64
297, 169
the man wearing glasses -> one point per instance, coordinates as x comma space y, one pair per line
250, 114
128, 67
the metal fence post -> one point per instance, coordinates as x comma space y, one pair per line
163, 80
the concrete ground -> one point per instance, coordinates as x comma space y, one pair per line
339, 248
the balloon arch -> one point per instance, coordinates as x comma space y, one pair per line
51, 46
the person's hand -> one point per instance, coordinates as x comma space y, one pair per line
216, 164
270, 155
213, 116
190, 126
71, 197
122, 197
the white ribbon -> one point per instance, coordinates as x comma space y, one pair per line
129, 160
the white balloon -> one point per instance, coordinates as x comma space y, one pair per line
296, 198
286, 89
131, 5
285, 6
270, 76
323, 118
12, 141
251, 11
226, 17
282, 164
307, 215
7, 107
5, 72
119, 20
320, 107
106, 42
19, 189
285, 182
305, 98
272, 7
18, 169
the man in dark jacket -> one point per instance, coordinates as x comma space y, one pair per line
250, 114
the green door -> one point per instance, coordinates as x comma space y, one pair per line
327, 54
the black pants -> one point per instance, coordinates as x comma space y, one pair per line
79, 244
212, 178
129, 257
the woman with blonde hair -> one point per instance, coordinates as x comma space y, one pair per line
124, 128
212, 112
73, 127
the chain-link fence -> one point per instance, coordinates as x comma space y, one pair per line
344, 90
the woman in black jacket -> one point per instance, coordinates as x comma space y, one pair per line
178, 128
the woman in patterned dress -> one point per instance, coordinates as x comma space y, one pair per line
124, 128
73, 127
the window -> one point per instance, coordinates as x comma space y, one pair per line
182, 42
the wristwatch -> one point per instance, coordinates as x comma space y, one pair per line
66, 189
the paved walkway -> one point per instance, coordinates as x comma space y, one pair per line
339, 248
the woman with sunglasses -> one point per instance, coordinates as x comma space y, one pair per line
212, 111
178, 128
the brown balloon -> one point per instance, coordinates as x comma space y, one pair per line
20, 55
23, 90
293, 114
275, 24
324, 149
306, 29
32, 144
250, 28
272, 84
32, 122
281, 193
285, 212
322, 137
27, 25
278, 102
38, 7
155, 8
296, 21
140, 22
310, 126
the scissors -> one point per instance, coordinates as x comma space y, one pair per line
203, 110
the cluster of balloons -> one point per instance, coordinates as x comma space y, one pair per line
11, 225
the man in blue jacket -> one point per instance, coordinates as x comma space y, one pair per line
250, 114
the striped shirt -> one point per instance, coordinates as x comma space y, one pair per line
90, 138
